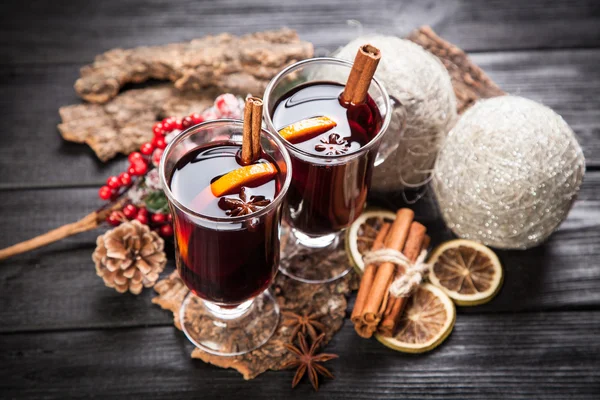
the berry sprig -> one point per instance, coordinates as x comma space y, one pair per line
148, 157
160, 222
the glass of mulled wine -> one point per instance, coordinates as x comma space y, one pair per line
227, 246
331, 170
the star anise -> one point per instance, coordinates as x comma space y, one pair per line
333, 145
243, 206
305, 323
307, 361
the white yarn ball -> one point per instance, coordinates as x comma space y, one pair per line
508, 173
421, 83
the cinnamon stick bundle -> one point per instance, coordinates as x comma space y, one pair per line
367, 318
375, 310
365, 63
251, 150
395, 306
366, 283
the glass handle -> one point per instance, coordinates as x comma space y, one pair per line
391, 137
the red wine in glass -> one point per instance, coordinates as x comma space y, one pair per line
326, 197
234, 262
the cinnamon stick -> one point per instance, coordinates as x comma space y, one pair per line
412, 249
87, 223
395, 240
426, 242
368, 276
363, 330
359, 80
251, 150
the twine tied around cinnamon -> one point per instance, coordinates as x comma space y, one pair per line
404, 285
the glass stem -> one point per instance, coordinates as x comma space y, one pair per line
227, 313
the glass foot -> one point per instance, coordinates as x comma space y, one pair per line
229, 331
313, 260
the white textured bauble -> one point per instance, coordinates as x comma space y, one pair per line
508, 173
421, 83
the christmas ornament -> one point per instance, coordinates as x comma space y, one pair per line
508, 173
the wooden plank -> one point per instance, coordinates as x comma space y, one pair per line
565, 80
48, 33
544, 355
57, 286
33, 152
564, 273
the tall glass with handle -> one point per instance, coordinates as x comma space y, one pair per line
332, 171
226, 256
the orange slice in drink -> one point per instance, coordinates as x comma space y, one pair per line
306, 129
249, 175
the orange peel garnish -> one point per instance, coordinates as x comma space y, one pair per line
306, 129
233, 181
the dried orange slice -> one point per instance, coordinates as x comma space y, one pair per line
306, 129
361, 235
248, 175
427, 321
469, 272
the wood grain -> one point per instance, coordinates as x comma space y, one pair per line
63, 334
543, 355
567, 81
67, 31
562, 274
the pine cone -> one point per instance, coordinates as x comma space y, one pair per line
129, 257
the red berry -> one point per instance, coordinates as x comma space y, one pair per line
130, 211
140, 167
135, 156
131, 171
159, 218
177, 124
187, 122
143, 210
156, 138
114, 218
105, 193
125, 178
147, 149
143, 218
157, 129
169, 217
113, 182
196, 118
168, 124
156, 156
166, 230
161, 143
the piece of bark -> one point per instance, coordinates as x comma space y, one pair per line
123, 124
328, 300
469, 81
233, 64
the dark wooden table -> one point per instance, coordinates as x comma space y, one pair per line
63, 334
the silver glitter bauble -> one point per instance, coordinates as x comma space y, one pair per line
421, 83
508, 173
